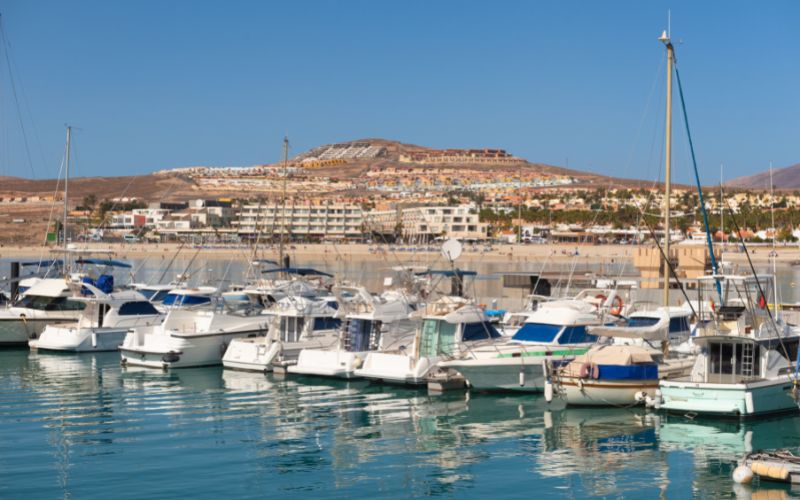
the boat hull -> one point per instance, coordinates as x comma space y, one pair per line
396, 368
501, 374
17, 332
257, 355
729, 400
322, 363
588, 392
167, 351
62, 338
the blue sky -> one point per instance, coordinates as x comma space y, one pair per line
155, 84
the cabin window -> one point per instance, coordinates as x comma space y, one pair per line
479, 331
327, 323
140, 308
729, 359
576, 335
537, 332
291, 328
679, 324
42, 303
642, 321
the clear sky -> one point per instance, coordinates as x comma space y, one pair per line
157, 84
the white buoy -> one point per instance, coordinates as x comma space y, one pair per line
742, 474
94, 339
548, 391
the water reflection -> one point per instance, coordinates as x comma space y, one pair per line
79, 425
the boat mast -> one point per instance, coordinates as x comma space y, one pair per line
66, 193
667, 161
774, 252
283, 203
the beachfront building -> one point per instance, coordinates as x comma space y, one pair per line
428, 223
306, 221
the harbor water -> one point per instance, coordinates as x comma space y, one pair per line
82, 426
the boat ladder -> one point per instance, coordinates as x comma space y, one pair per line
748, 356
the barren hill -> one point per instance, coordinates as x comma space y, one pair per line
782, 178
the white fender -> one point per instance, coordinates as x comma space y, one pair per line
548, 391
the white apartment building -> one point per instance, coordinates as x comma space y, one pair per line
428, 223
297, 221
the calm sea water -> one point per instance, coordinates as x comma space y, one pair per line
80, 426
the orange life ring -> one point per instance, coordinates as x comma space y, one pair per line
616, 306
602, 298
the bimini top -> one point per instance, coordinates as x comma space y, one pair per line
300, 271
53, 287
103, 262
616, 355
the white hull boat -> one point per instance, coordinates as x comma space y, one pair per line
188, 338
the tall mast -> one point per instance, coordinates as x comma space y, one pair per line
774, 252
667, 161
721, 208
66, 193
283, 203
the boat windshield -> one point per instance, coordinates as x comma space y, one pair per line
537, 332
642, 321
182, 299
42, 303
438, 337
138, 308
153, 295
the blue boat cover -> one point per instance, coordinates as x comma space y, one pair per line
629, 372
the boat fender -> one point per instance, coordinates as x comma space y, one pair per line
521, 377
640, 396
94, 339
770, 470
595, 372
586, 369
171, 357
742, 474
548, 391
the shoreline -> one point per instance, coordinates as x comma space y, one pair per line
556, 253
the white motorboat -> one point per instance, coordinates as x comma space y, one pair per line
294, 324
450, 326
102, 325
555, 333
46, 301
187, 338
372, 324
747, 360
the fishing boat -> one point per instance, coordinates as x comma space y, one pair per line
450, 325
294, 324
102, 325
746, 364
628, 367
188, 338
373, 323
555, 333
